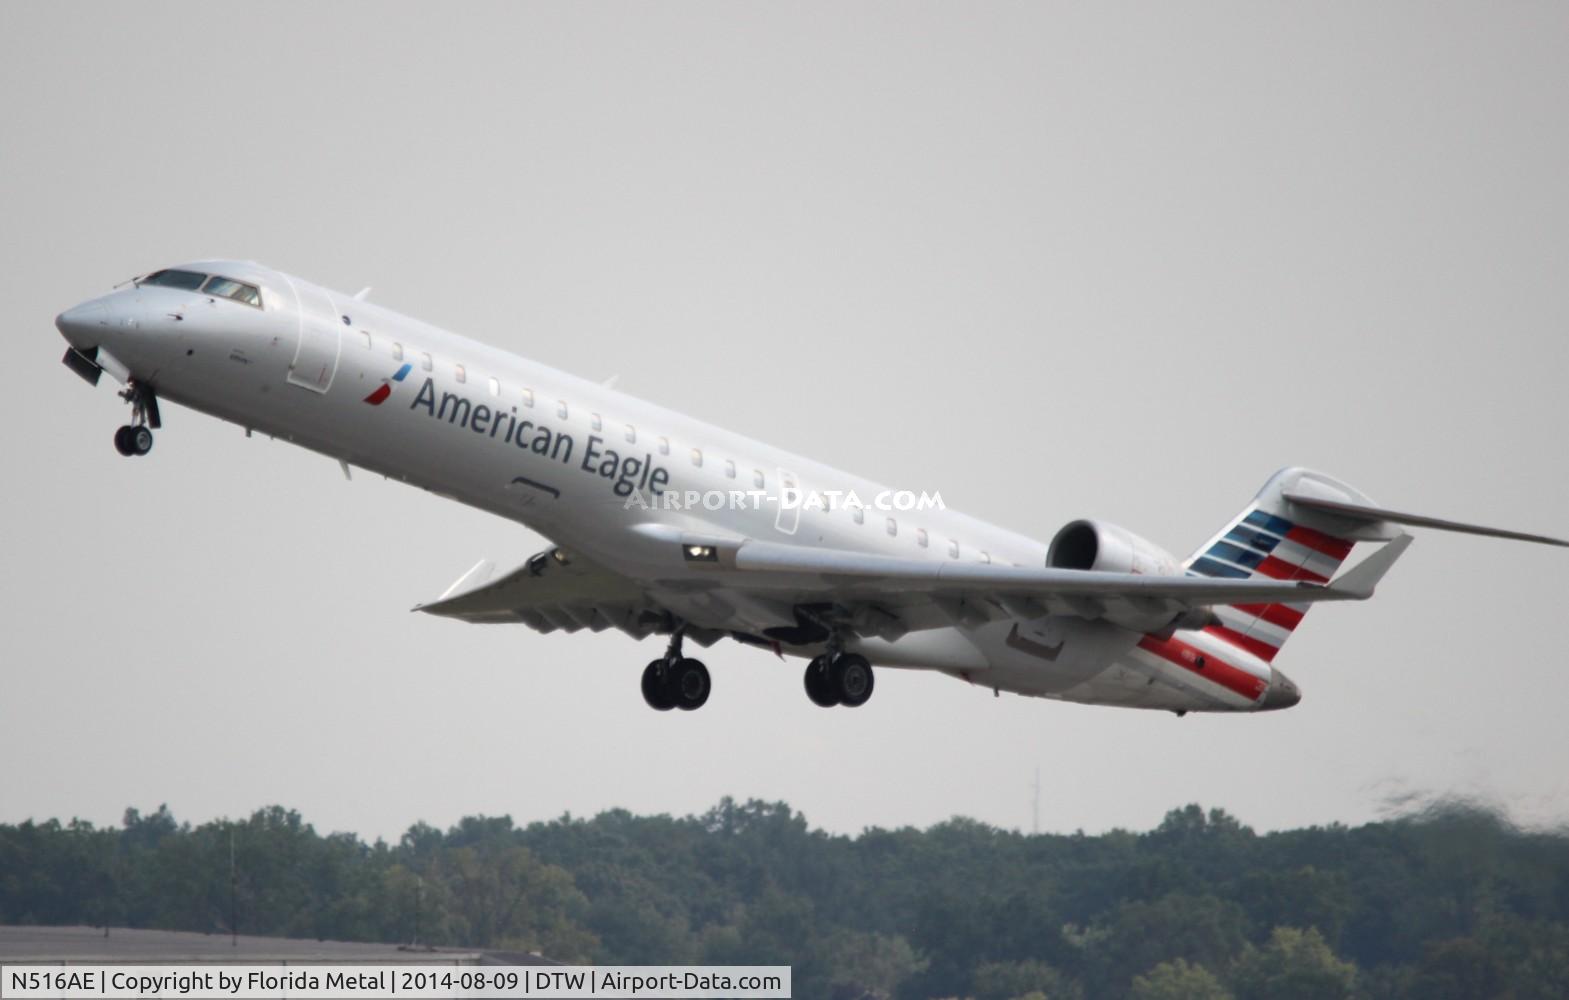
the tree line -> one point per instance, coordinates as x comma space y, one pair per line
1454, 903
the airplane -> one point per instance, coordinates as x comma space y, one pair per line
794, 556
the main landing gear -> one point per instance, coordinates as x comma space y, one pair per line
838, 678
136, 437
676, 681
132, 440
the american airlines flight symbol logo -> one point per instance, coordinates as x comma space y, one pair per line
380, 395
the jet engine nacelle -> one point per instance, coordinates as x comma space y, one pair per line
1102, 546
1106, 548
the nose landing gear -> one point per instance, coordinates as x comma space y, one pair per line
136, 437
676, 681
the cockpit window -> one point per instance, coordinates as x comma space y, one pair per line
214, 285
170, 278
228, 288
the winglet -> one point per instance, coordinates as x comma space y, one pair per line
1358, 583
479, 575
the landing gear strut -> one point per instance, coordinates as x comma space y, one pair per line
839, 678
676, 681
136, 437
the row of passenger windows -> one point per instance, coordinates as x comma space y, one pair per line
759, 481
460, 374
921, 537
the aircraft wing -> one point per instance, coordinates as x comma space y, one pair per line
1023, 592
756, 585
854, 569
551, 591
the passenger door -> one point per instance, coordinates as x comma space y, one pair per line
321, 335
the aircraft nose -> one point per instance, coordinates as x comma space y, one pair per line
83, 326
1282, 693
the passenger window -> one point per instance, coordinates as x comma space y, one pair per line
593, 421
858, 515
461, 374
664, 446
757, 478
729, 469
893, 526
631, 433
366, 335
561, 408
953, 549
495, 387
528, 397
424, 362
920, 537
986, 558
697, 457
397, 355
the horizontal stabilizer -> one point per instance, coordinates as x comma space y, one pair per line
1360, 512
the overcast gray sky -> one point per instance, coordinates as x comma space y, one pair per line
1054, 261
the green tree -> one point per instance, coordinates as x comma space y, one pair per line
417, 909
1534, 957
1177, 980
873, 965
502, 897
1304, 896
1011, 980
1204, 930
1293, 965
1450, 903
1458, 969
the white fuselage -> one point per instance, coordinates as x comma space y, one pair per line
518, 439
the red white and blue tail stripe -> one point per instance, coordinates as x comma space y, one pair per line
1261, 543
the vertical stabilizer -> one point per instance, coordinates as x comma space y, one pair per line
1278, 540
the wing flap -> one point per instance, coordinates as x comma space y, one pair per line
971, 594
1084, 587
